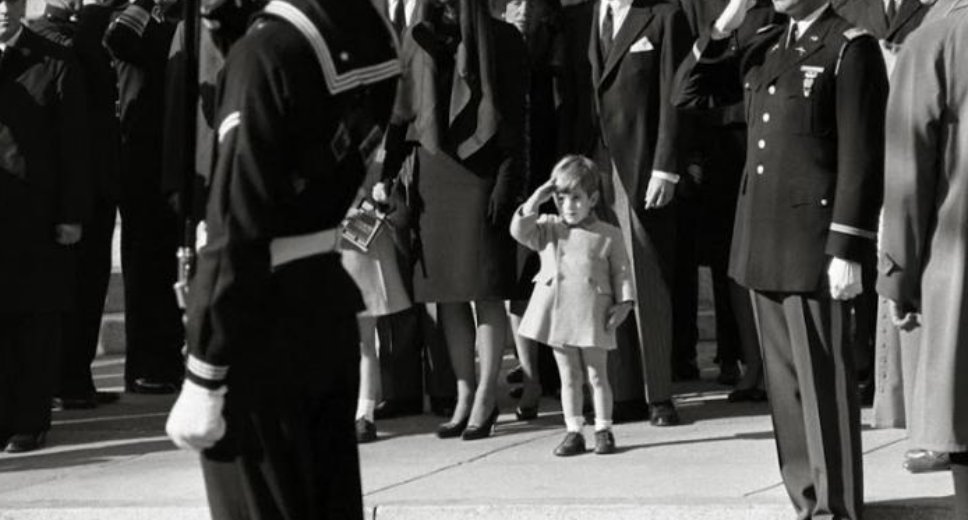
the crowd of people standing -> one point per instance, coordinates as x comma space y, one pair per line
543, 173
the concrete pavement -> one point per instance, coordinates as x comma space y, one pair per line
114, 463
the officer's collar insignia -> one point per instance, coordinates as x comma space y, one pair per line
814, 38
801, 51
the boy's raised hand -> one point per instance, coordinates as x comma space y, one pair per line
540, 196
617, 314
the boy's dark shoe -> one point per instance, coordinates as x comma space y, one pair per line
573, 444
604, 442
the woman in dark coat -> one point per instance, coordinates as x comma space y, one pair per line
459, 118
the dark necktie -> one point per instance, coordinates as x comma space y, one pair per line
794, 34
400, 17
891, 11
607, 29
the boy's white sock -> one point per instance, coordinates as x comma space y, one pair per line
602, 425
574, 424
365, 409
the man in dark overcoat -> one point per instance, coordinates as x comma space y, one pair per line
43, 202
273, 366
620, 58
82, 28
815, 90
138, 39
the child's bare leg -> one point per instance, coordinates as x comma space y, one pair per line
569, 364
369, 369
596, 363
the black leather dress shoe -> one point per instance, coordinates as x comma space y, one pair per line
663, 413
24, 442
365, 431
754, 395
145, 385
924, 461
86, 401
573, 444
392, 408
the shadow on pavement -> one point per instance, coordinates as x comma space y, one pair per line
85, 456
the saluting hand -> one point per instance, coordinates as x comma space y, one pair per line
617, 314
731, 18
659, 193
543, 194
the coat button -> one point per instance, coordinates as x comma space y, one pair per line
761, 144
759, 169
766, 117
823, 202
772, 89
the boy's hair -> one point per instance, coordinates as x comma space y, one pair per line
576, 172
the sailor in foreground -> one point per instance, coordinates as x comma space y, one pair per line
815, 91
273, 359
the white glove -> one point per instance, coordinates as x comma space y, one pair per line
195, 422
845, 279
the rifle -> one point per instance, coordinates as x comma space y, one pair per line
186, 252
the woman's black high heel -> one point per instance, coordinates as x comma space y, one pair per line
474, 432
452, 429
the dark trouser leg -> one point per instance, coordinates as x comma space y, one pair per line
959, 473
651, 242
400, 355
153, 327
865, 319
685, 293
441, 383
290, 447
83, 326
816, 417
728, 340
29, 351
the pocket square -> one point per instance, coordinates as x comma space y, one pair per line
642, 45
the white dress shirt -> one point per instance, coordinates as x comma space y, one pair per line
620, 10
804, 25
408, 7
12, 40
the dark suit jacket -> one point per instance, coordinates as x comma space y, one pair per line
44, 174
631, 92
83, 33
814, 169
869, 14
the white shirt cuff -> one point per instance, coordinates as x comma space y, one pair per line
666, 176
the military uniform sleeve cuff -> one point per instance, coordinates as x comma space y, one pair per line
206, 374
853, 231
666, 176
136, 17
